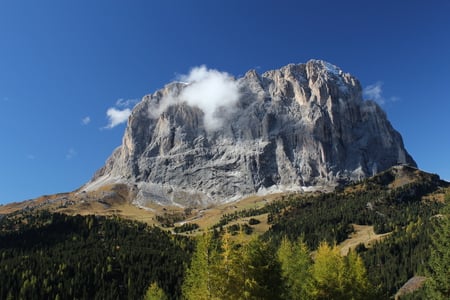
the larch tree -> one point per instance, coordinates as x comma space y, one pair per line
295, 263
357, 285
199, 281
328, 273
154, 292
247, 269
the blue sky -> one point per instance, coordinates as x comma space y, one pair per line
65, 64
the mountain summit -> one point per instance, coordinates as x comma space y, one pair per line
212, 138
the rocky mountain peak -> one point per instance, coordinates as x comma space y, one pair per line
215, 138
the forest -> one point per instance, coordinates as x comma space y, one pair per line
46, 255
55, 256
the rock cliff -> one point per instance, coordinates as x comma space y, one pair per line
217, 138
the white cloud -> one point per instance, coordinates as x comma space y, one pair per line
214, 92
120, 112
71, 153
117, 116
86, 120
375, 92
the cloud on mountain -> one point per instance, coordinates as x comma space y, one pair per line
117, 116
375, 92
214, 92
120, 112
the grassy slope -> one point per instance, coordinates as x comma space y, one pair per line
115, 200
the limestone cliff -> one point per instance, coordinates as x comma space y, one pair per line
300, 126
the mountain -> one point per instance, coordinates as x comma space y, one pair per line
215, 138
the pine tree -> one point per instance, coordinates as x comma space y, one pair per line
438, 284
263, 271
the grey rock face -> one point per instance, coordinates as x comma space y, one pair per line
299, 126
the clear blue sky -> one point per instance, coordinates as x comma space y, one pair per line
64, 63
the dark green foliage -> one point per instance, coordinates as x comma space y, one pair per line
186, 227
360, 248
417, 295
48, 256
328, 217
271, 209
253, 221
438, 284
402, 255
235, 228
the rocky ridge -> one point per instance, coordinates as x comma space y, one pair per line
299, 127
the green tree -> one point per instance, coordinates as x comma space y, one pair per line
199, 281
438, 284
253, 271
225, 269
357, 285
154, 292
232, 268
338, 277
328, 273
263, 271
295, 263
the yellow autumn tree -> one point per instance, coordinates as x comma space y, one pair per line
328, 273
357, 285
295, 263
338, 277
154, 292
200, 280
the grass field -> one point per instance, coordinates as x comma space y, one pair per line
364, 234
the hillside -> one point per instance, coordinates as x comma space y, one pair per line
384, 218
116, 199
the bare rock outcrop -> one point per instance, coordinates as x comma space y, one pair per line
303, 125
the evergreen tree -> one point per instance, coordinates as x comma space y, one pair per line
263, 272
438, 285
